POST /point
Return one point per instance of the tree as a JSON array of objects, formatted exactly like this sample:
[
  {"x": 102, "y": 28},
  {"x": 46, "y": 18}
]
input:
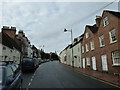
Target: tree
[{"x": 54, "y": 56}]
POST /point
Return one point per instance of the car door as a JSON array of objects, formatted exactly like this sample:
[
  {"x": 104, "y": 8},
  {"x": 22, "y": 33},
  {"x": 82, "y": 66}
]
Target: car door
[
  {"x": 10, "y": 77},
  {"x": 17, "y": 76}
]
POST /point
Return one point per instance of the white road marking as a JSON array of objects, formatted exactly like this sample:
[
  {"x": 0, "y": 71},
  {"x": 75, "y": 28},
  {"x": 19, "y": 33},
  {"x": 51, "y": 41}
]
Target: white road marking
[
  {"x": 32, "y": 78},
  {"x": 29, "y": 84}
]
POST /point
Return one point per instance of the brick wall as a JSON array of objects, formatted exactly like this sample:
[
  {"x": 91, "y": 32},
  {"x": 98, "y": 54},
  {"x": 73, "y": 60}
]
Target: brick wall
[{"x": 108, "y": 48}]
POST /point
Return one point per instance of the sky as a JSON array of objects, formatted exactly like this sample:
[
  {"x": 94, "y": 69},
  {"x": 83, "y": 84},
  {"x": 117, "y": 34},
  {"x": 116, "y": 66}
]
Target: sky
[{"x": 44, "y": 21}]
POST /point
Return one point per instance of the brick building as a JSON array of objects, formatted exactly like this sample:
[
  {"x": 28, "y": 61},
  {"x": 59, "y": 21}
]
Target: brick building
[{"x": 101, "y": 44}]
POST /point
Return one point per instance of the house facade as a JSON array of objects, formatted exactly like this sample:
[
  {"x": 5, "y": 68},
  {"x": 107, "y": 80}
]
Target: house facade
[
  {"x": 63, "y": 57},
  {"x": 77, "y": 51},
  {"x": 100, "y": 45},
  {"x": 25, "y": 44},
  {"x": 10, "y": 49}
]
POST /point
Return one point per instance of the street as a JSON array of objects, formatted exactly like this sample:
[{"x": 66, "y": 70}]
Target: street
[{"x": 54, "y": 75}]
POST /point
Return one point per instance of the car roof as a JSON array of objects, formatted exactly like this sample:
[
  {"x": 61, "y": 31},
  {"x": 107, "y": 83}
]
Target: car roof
[{"x": 6, "y": 63}]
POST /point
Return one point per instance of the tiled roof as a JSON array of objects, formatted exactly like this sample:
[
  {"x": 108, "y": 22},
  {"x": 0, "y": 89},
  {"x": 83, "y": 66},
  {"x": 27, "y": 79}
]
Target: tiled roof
[
  {"x": 117, "y": 14},
  {"x": 9, "y": 42},
  {"x": 93, "y": 28}
]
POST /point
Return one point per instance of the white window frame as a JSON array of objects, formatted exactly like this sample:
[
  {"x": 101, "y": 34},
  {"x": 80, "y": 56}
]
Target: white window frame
[
  {"x": 87, "y": 49},
  {"x": 82, "y": 49},
  {"x": 105, "y": 21},
  {"x": 87, "y": 35},
  {"x": 101, "y": 39},
  {"x": 88, "y": 61},
  {"x": 116, "y": 58},
  {"x": 111, "y": 37},
  {"x": 92, "y": 45}
]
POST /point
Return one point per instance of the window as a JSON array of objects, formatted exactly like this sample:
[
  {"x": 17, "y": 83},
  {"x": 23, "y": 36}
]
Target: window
[
  {"x": 87, "y": 34},
  {"x": 9, "y": 73},
  {"x": 105, "y": 21},
  {"x": 88, "y": 61},
  {"x": 116, "y": 58},
  {"x": 87, "y": 48},
  {"x": 112, "y": 36},
  {"x": 101, "y": 39},
  {"x": 4, "y": 48},
  {"x": 82, "y": 49},
  {"x": 92, "y": 45}
]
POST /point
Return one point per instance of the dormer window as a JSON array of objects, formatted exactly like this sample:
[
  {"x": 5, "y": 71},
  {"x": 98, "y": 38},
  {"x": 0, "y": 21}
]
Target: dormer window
[
  {"x": 87, "y": 35},
  {"x": 105, "y": 21}
]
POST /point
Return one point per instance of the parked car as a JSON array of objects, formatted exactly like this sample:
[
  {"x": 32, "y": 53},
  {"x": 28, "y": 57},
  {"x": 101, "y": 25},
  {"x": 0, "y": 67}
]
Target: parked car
[
  {"x": 39, "y": 59},
  {"x": 10, "y": 76},
  {"x": 29, "y": 64},
  {"x": 37, "y": 62}
]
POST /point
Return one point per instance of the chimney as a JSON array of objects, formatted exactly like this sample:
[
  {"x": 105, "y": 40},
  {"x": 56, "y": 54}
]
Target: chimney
[
  {"x": 98, "y": 20},
  {"x": 20, "y": 34},
  {"x": 11, "y": 32}
]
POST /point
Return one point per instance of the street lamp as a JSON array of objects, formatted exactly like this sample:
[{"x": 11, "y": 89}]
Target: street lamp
[{"x": 65, "y": 30}]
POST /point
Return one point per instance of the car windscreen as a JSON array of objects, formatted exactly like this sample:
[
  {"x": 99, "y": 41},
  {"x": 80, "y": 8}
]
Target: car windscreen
[{"x": 27, "y": 60}]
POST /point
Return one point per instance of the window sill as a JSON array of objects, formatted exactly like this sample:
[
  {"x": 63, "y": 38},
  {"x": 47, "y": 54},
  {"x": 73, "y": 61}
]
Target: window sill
[
  {"x": 88, "y": 65},
  {"x": 113, "y": 42},
  {"x": 102, "y": 46},
  {"x": 92, "y": 49},
  {"x": 87, "y": 51},
  {"x": 116, "y": 65}
]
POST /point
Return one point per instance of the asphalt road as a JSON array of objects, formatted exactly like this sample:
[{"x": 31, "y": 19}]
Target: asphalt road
[{"x": 54, "y": 75}]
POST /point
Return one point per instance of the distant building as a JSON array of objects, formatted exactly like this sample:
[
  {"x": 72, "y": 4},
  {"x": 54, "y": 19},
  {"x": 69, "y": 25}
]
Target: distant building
[
  {"x": 35, "y": 52},
  {"x": 10, "y": 50},
  {"x": 25, "y": 44}
]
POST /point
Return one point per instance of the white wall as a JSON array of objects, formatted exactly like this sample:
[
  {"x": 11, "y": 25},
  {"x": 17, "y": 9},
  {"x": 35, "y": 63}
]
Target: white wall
[
  {"x": 77, "y": 55},
  {"x": 9, "y": 54},
  {"x": 62, "y": 57},
  {"x": 68, "y": 53}
]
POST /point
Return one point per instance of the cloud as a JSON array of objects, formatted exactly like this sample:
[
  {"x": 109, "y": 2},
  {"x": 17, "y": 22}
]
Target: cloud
[{"x": 44, "y": 22}]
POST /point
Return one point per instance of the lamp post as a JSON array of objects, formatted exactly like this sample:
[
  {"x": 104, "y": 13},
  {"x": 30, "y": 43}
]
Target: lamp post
[{"x": 65, "y": 30}]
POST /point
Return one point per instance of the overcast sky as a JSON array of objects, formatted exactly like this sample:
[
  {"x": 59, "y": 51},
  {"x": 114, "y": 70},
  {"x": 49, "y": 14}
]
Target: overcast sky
[{"x": 44, "y": 22}]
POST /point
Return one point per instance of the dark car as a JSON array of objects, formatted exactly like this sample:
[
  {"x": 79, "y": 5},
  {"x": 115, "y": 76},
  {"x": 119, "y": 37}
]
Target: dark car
[
  {"x": 29, "y": 64},
  {"x": 10, "y": 76}
]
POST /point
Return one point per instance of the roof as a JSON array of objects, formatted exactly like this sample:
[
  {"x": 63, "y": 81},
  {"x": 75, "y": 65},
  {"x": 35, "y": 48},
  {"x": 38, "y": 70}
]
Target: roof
[
  {"x": 93, "y": 28},
  {"x": 117, "y": 14},
  {"x": 9, "y": 42}
]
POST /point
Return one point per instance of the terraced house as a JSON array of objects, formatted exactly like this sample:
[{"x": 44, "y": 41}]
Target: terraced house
[{"x": 100, "y": 46}]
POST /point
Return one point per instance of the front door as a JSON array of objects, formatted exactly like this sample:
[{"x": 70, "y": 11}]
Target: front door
[
  {"x": 104, "y": 63},
  {"x": 83, "y": 62},
  {"x": 94, "y": 63}
]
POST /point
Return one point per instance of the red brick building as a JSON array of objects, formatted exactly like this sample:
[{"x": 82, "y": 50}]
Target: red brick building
[{"x": 101, "y": 44}]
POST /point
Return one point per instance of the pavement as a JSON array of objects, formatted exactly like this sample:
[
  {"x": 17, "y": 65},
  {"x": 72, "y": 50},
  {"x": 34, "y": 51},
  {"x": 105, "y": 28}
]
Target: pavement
[{"x": 104, "y": 77}]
